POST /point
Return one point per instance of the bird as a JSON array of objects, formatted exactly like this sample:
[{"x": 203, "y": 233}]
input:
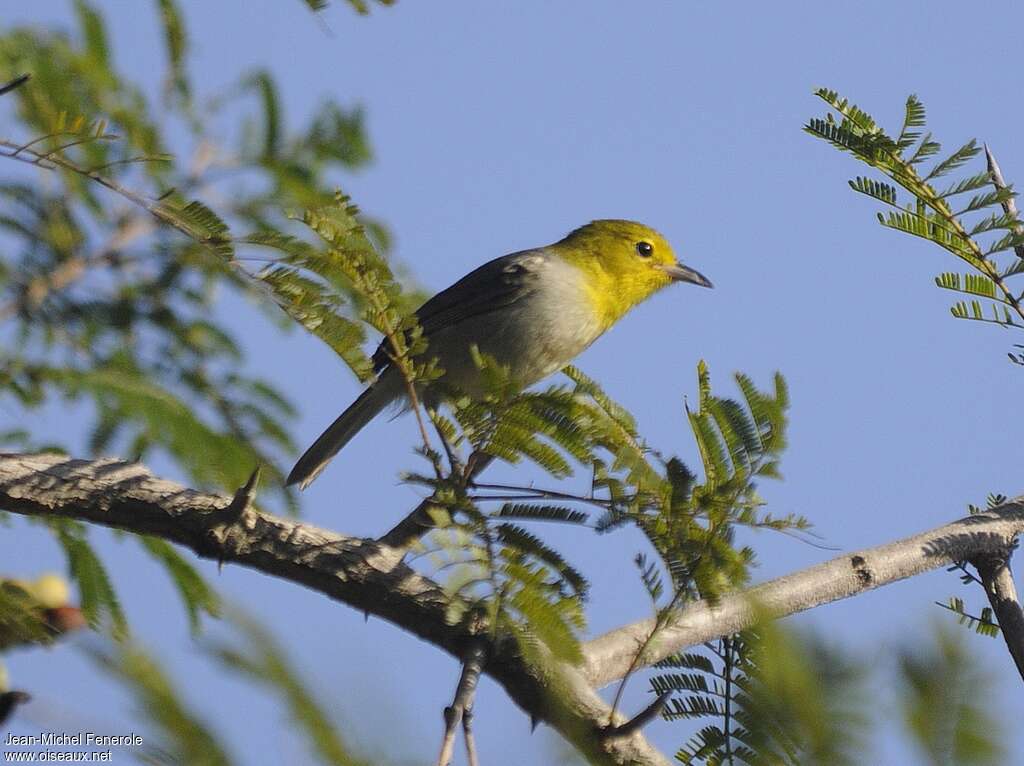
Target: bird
[{"x": 533, "y": 311}]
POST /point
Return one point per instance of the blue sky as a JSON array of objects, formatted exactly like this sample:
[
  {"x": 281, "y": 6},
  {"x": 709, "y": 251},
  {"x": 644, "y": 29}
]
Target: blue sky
[{"x": 500, "y": 126}]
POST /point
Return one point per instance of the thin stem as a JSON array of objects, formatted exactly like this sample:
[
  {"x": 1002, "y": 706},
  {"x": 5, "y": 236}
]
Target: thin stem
[
  {"x": 86, "y": 140},
  {"x": 962, "y": 566},
  {"x": 454, "y": 464},
  {"x": 155, "y": 208},
  {"x": 7, "y": 87},
  {"x": 728, "y": 648},
  {"x": 463, "y": 701},
  {"x": 541, "y": 496},
  {"x": 663, "y": 615},
  {"x": 1009, "y": 204},
  {"x": 467, "y": 732},
  {"x": 536, "y": 493}
]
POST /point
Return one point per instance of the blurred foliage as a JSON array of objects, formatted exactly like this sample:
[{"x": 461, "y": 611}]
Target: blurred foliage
[
  {"x": 766, "y": 697},
  {"x": 103, "y": 306},
  {"x": 181, "y": 735},
  {"x": 264, "y": 662},
  {"x": 946, "y": 705},
  {"x": 992, "y": 245},
  {"x": 106, "y": 307},
  {"x": 360, "y": 6},
  {"x": 770, "y": 697},
  {"x": 35, "y": 611}
]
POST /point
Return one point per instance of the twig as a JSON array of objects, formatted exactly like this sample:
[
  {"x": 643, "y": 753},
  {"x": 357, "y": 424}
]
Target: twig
[
  {"x": 994, "y": 570},
  {"x": 727, "y": 657},
  {"x": 419, "y": 521},
  {"x": 967, "y": 576},
  {"x": 536, "y": 493},
  {"x": 463, "y": 701},
  {"x": 454, "y": 463},
  {"x": 17, "y": 81},
  {"x": 155, "y": 208},
  {"x": 662, "y": 617},
  {"x": 974, "y": 618},
  {"x": 1009, "y": 204},
  {"x": 641, "y": 719},
  {"x": 467, "y": 732}
]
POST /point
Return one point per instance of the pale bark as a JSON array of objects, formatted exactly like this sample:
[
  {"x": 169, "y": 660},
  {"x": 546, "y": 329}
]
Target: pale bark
[
  {"x": 608, "y": 657},
  {"x": 996, "y": 577}
]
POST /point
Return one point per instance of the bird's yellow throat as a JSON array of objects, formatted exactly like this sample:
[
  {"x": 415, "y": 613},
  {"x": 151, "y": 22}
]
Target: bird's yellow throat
[{"x": 615, "y": 276}]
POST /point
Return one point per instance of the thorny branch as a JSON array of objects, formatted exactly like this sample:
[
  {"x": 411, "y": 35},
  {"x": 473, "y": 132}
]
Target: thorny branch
[{"x": 360, "y": 572}]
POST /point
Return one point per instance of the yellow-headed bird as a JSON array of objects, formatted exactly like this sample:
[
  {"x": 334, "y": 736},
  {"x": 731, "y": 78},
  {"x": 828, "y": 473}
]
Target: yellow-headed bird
[{"x": 533, "y": 311}]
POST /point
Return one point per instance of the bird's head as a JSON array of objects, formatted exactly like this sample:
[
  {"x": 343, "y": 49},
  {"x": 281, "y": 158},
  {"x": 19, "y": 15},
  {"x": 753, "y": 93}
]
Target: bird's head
[{"x": 623, "y": 263}]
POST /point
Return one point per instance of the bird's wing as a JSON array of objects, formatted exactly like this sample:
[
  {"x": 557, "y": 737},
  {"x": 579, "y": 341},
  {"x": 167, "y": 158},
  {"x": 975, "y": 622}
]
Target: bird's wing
[{"x": 488, "y": 288}]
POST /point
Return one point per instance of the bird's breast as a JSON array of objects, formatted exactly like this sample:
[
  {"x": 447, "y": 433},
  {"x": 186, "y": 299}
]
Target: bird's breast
[{"x": 535, "y": 336}]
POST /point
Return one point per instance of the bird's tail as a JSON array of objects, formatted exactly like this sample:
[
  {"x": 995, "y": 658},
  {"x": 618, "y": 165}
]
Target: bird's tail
[{"x": 340, "y": 432}]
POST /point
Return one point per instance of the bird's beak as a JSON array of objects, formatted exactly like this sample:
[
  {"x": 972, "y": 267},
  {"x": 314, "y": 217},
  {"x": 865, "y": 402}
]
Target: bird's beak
[{"x": 680, "y": 273}]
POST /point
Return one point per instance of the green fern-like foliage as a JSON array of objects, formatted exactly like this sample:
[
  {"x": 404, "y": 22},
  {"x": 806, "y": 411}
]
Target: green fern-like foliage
[
  {"x": 983, "y": 230},
  {"x": 347, "y": 274},
  {"x": 771, "y": 697},
  {"x": 691, "y": 523},
  {"x": 507, "y": 578},
  {"x": 764, "y": 697},
  {"x": 983, "y": 624}
]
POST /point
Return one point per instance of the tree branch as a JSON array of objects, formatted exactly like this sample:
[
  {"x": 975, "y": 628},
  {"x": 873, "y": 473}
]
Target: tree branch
[
  {"x": 360, "y": 572},
  {"x": 996, "y": 577},
  {"x": 608, "y": 657},
  {"x": 371, "y": 577}
]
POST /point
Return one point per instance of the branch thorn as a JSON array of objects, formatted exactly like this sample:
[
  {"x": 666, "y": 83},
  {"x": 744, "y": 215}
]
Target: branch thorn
[{"x": 242, "y": 500}]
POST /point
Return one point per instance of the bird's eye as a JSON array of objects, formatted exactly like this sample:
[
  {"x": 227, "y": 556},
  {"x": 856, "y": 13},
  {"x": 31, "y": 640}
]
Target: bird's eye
[{"x": 645, "y": 249}]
